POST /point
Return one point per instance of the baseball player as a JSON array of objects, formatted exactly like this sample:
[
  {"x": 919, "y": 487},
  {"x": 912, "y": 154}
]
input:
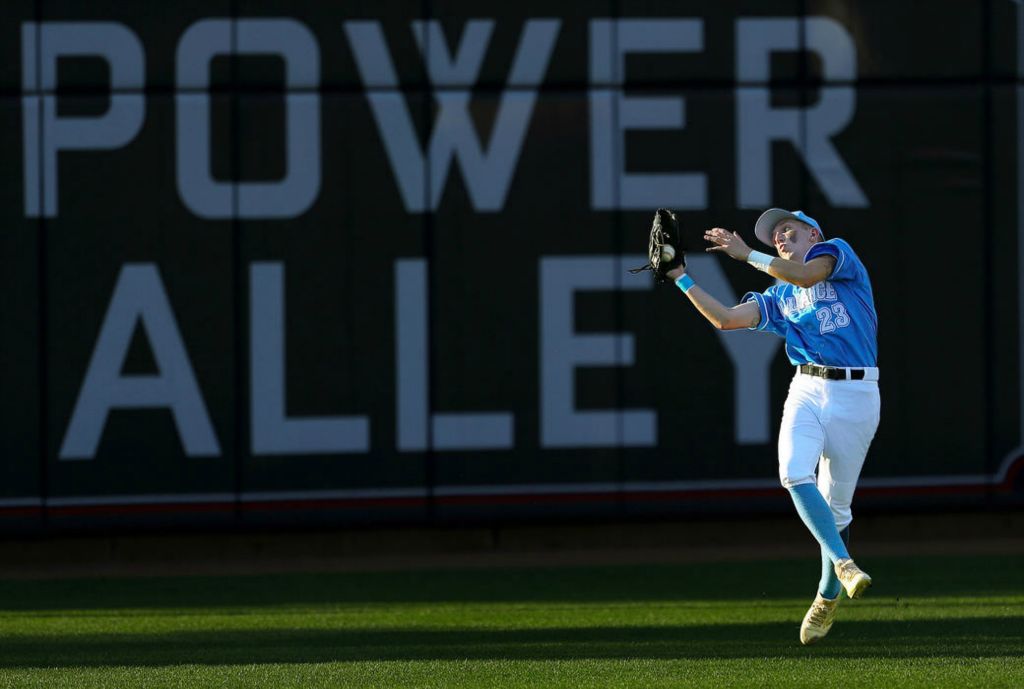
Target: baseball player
[{"x": 823, "y": 306}]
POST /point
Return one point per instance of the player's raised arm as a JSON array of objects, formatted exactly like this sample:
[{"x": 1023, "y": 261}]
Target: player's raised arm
[
  {"x": 666, "y": 258},
  {"x": 745, "y": 315},
  {"x": 794, "y": 272}
]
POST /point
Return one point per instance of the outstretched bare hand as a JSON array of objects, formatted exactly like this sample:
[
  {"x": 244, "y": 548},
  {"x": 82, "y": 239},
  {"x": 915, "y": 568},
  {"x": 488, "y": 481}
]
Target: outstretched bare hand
[{"x": 729, "y": 243}]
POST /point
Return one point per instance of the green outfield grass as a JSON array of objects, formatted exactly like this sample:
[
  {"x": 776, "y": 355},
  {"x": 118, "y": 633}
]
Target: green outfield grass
[{"x": 928, "y": 622}]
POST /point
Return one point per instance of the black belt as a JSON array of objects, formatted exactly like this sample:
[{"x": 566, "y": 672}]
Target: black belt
[{"x": 831, "y": 372}]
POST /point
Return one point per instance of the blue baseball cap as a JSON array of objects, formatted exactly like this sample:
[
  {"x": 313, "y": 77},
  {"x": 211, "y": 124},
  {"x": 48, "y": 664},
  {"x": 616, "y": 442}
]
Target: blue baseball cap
[{"x": 773, "y": 216}]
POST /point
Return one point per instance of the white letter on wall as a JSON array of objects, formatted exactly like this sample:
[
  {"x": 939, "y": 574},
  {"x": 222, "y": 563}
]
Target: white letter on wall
[
  {"x": 562, "y": 351},
  {"x": 139, "y": 297},
  {"x": 273, "y": 432},
  {"x": 759, "y": 124},
  {"x": 751, "y": 354},
  {"x": 486, "y": 171},
  {"x": 449, "y": 430},
  {"x": 120, "y": 48},
  {"x": 612, "y": 114},
  {"x": 286, "y": 198}
]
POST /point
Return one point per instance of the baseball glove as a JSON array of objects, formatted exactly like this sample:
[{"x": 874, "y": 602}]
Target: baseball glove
[{"x": 665, "y": 249}]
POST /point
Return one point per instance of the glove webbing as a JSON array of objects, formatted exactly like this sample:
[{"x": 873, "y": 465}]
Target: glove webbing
[{"x": 657, "y": 241}]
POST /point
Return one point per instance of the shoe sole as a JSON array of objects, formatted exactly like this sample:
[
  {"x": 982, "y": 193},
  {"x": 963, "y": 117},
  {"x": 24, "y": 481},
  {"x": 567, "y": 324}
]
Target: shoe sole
[
  {"x": 812, "y": 639},
  {"x": 859, "y": 587}
]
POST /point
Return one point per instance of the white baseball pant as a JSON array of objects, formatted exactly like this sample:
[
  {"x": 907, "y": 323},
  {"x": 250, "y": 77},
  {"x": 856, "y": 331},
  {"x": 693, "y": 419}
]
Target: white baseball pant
[{"x": 828, "y": 424}]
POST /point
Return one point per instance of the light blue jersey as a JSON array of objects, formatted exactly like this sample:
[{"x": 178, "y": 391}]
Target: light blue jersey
[{"x": 832, "y": 323}]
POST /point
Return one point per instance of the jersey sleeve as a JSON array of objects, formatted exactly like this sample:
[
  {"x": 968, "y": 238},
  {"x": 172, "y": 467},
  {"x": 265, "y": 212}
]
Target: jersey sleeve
[
  {"x": 772, "y": 320},
  {"x": 846, "y": 260}
]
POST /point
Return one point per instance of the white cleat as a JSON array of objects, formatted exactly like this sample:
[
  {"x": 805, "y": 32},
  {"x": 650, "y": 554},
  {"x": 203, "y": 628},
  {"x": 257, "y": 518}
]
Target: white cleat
[
  {"x": 853, "y": 578},
  {"x": 818, "y": 620}
]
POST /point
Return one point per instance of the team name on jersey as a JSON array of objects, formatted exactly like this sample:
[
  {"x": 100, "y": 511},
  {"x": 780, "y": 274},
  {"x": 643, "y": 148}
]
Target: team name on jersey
[{"x": 806, "y": 297}]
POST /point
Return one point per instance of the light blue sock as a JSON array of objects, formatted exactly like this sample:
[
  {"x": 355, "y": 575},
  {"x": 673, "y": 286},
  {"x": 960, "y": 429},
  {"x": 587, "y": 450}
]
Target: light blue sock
[
  {"x": 829, "y": 586},
  {"x": 816, "y": 514}
]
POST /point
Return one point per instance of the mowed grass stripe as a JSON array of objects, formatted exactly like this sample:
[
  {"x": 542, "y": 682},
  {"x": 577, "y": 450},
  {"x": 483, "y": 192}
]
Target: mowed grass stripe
[
  {"x": 811, "y": 671},
  {"x": 488, "y": 616},
  {"x": 728, "y": 624}
]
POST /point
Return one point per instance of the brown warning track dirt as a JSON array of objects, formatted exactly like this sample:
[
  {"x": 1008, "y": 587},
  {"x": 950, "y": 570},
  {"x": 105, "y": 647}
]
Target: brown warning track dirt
[{"x": 497, "y": 547}]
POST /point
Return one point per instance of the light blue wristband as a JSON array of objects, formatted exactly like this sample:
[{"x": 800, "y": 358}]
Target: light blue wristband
[{"x": 684, "y": 282}]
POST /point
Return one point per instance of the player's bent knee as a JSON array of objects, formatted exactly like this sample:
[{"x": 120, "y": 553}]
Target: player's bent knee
[{"x": 791, "y": 481}]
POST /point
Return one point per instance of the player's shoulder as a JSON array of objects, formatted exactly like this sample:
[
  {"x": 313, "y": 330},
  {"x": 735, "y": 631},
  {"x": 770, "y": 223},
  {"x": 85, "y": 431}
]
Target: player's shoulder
[
  {"x": 848, "y": 265},
  {"x": 837, "y": 247},
  {"x": 842, "y": 244},
  {"x": 831, "y": 245}
]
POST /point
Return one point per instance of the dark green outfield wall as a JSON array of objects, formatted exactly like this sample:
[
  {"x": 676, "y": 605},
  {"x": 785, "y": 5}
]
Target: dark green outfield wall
[{"x": 306, "y": 262}]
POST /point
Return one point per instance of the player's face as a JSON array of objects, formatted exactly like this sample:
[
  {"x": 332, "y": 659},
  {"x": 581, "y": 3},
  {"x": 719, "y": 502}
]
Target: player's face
[{"x": 793, "y": 239}]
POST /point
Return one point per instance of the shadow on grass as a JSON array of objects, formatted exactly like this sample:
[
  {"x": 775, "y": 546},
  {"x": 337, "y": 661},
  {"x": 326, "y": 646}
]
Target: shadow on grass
[
  {"x": 961, "y": 576},
  {"x": 978, "y": 637}
]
